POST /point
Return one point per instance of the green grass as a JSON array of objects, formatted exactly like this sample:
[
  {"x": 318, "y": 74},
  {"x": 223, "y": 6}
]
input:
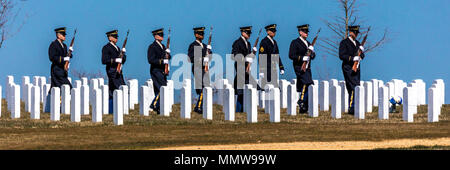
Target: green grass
[{"x": 154, "y": 131}]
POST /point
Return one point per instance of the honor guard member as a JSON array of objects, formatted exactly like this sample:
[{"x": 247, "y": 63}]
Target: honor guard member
[
  {"x": 298, "y": 54},
  {"x": 348, "y": 49},
  {"x": 242, "y": 47},
  {"x": 268, "y": 49},
  {"x": 110, "y": 58},
  {"x": 156, "y": 58},
  {"x": 197, "y": 53},
  {"x": 58, "y": 55}
]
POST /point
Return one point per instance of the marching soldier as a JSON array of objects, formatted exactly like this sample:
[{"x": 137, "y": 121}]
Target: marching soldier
[
  {"x": 110, "y": 58},
  {"x": 298, "y": 54},
  {"x": 58, "y": 55},
  {"x": 197, "y": 53},
  {"x": 242, "y": 48},
  {"x": 348, "y": 49},
  {"x": 268, "y": 50},
  {"x": 156, "y": 58}
]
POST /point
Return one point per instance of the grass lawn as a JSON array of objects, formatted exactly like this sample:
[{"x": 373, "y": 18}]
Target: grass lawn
[{"x": 154, "y": 131}]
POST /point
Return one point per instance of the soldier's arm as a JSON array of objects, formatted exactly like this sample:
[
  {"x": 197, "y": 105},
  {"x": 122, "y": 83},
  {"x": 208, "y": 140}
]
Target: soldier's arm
[
  {"x": 292, "y": 52},
  {"x": 53, "y": 55},
  {"x": 280, "y": 63},
  {"x": 105, "y": 57},
  {"x": 152, "y": 57},
  {"x": 344, "y": 54},
  {"x": 191, "y": 53}
]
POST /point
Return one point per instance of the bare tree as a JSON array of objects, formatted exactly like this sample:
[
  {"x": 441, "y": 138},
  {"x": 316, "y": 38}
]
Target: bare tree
[
  {"x": 9, "y": 11},
  {"x": 339, "y": 26}
]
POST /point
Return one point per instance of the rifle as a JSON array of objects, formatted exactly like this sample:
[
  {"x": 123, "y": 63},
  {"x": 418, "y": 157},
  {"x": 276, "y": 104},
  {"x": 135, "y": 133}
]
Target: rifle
[
  {"x": 119, "y": 67},
  {"x": 166, "y": 66},
  {"x": 308, "y": 53},
  {"x": 208, "y": 52},
  {"x": 247, "y": 69},
  {"x": 356, "y": 64},
  {"x": 69, "y": 53}
]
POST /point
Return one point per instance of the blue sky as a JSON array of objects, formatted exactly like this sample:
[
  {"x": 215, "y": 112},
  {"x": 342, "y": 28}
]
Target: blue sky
[{"x": 419, "y": 46}]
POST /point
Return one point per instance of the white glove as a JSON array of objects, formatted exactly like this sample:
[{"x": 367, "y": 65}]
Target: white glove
[
  {"x": 362, "y": 48},
  {"x": 71, "y": 49},
  {"x": 305, "y": 58},
  {"x": 249, "y": 59},
  {"x": 166, "y": 61},
  {"x": 124, "y": 50},
  {"x": 311, "y": 48},
  {"x": 168, "y": 51},
  {"x": 205, "y": 60},
  {"x": 209, "y": 47},
  {"x": 118, "y": 60},
  {"x": 356, "y": 58},
  {"x": 281, "y": 72},
  {"x": 261, "y": 75},
  {"x": 254, "y": 49},
  {"x": 66, "y": 58}
]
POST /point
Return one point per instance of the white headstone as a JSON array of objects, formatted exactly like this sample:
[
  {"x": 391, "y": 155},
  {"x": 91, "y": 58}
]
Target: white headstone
[
  {"x": 374, "y": 92},
  {"x": 324, "y": 96},
  {"x": 97, "y": 106},
  {"x": 368, "y": 96},
  {"x": 35, "y": 102},
  {"x": 186, "y": 105},
  {"x": 65, "y": 99},
  {"x": 413, "y": 97},
  {"x": 252, "y": 114},
  {"x": 45, "y": 92},
  {"x": 441, "y": 87},
  {"x": 421, "y": 91},
  {"x": 93, "y": 84},
  {"x": 144, "y": 101},
  {"x": 313, "y": 101},
  {"x": 228, "y": 107},
  {"x": 15, "y": 109},
  {"x": 359, "y": 102},
  {"x": 344, "y": 97},
  {"x": 70, "y": 80},
  {"x": 151, "y": 93},
  {"x": 274, "y": 105},
  {"x": 268, "y": 98},
  {"x": 408, "y": 114},
  {"x": 434, "y": 108},
  {"x": 262, "y": 99},
  {"x": 27, "y": 95},
  {"x": 133, "y": 87},
  {"x": 84, "y": 81},
  {"x": 336, "y": 101},
  {"x": 292, "y": 100},
  {"x": 383, "y": 103},
  {"x": 55, "y": 104},
  {"x": 75, "y": 103},
  {"x": 283, "y": 93},
  {"x": 246, "y": 105},
  {"x": 391, "y": 90},
  {"x": 25, "y": 81},
  {"x": 171, "y": 93},
  {"x": 36, "y": 81},
  {"x": 84, "y": 91},
  {"x": 118, "y": 107},
  {"x": 42, "y": 82},
  {"x": 164, "y": 101},
  {"x": 101, "y": 82},
  {"x": 125, "y": 92},
  {"x": 105, "y": 99},
  {"x": 207, "y": 103},
  {"x": 78, "y": 84}
]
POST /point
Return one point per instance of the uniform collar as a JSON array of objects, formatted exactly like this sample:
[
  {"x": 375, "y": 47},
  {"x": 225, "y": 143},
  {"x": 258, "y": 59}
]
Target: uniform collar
[
  {"x": 351, "y": 39},
  {"x": 270, "y": 38},
  {"x": 303, "y": 40},
  {"x": 159, "y": 43},
  {"x": 114, "y": 45}
]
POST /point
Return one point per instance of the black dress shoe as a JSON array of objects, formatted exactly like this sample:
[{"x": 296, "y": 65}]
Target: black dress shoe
[
  {"x": 351, "y": 112},
  {"x": 199, "y": 111}
]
